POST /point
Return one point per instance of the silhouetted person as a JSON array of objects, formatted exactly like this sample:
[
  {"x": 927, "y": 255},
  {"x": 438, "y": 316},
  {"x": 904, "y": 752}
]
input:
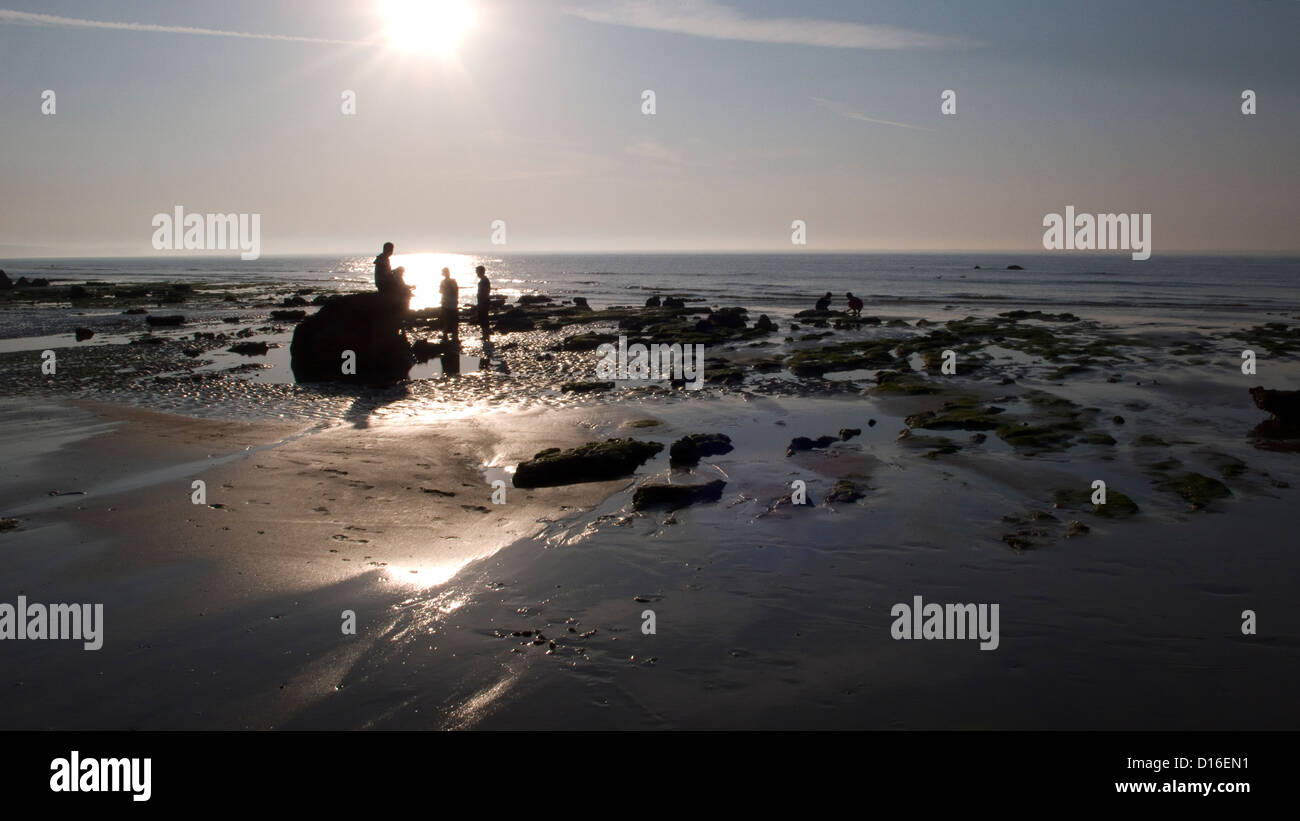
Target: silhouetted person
[
  {"x": 855, "y": 304},
  {"x": 484, "y": 297},
  {"x": 387, "y": 281},
  {"x": 450, "y": 311},
  {"x": 824, "y": 303}
]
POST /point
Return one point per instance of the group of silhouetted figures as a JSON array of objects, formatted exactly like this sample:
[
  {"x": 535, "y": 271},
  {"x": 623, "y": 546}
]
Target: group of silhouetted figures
[
  {"x": 390, "y": 282},
  {"x": 855, "y": 304}
]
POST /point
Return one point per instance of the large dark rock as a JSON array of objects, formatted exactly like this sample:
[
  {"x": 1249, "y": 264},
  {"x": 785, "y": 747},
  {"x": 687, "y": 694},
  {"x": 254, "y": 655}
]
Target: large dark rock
[
  {"x": 593, "y": 462},
  {"x": 1281, "y": 431},
  {"x": 83, "y": 334},
  {"x": 367, "y": 324},
  {"x": 676, "y": 496},
  {"x": 689, "y": 450},
  {"x": 168, "y": 321},
  {"x": 5, "y": 281},
  {"x": 1284, "y": 405}
]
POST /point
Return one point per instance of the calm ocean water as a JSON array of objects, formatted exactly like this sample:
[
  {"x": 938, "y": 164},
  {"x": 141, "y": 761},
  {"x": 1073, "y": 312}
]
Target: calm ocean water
[{"x": 1112, "y": 283}]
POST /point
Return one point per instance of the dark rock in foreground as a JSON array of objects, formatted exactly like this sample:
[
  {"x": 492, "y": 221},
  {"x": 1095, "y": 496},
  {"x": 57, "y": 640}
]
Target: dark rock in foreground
[
  {"x": 592, "y": 462},
  {"x": 368, "y": 325},
  {"x": 83, "y": 334},
  {"x": 169, "y": 321},
  {"x": 688, "y": 450},
  {"x": 676, "y": 496}
]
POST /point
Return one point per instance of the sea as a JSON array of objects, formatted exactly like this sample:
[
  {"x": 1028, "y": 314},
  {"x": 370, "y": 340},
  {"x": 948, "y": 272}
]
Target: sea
[{"x": 1109, "y": 284}]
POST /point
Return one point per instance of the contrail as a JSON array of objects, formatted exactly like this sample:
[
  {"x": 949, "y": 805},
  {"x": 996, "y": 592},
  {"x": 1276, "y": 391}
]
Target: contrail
[
  {"x": 845, "y": 111},
  {"x": 53, "y": 21}
]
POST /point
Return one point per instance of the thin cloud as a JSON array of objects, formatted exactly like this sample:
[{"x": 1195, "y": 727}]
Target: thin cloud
[
  {"x": 846, "y": 111},
  {"x": 647, "y": 148},
  {"x": 24, "y": 18},
  {"x": 706, "y": 18}
]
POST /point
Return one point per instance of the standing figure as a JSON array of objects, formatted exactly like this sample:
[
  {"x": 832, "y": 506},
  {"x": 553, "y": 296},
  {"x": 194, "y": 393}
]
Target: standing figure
[
  {"x": 450, "y": 311},
  {"x": 484, "y": 296}
]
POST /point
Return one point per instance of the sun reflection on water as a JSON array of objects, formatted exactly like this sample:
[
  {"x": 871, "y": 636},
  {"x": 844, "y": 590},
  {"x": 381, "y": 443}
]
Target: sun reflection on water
[{"x": 424, "y": 271}]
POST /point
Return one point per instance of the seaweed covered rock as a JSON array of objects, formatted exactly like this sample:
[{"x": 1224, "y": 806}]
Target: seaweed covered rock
[
  {"x": 592, "y": 462},
  {"x": 368, "y": 325},
  {"x": 689, "y": 450},
  {"x": 676, "y": 496},
  {"x": 845, "y": 491}
]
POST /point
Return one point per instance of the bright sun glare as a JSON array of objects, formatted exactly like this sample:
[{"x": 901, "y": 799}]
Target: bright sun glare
[{"x": 428, "y": 26}]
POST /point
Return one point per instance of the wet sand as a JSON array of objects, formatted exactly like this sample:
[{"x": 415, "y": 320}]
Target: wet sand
[{"x": 530, "y": 614}]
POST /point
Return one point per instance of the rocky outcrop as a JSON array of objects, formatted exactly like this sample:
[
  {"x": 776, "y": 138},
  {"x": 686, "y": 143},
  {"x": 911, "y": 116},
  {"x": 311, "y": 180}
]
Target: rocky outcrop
[
  {"x": 688, "y": 450},
  {"x": 804, "y": 443},
  {"x": 368, "y": 325},
  {"x": 592, "y": 462},
  {"x": 676, "y": 496},
  {"x": 515, "y": 319}
]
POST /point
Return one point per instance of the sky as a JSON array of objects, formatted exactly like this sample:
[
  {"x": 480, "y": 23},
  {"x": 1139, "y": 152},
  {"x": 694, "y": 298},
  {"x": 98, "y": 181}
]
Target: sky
[{"x": 825, "y": 111}]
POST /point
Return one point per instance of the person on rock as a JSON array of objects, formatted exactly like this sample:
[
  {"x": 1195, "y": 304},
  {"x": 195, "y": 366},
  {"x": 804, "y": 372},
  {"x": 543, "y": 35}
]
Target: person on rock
[
  {"x": 388, "y": 282},
  {"x": 855, "y": 304}
]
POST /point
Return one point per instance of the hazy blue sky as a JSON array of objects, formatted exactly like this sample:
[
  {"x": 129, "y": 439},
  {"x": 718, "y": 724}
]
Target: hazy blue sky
[{"x": 767, "y": 112}]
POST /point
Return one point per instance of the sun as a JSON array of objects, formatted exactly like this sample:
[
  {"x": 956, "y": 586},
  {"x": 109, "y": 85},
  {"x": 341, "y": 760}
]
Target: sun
[{"x": 428, "y": 26}]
